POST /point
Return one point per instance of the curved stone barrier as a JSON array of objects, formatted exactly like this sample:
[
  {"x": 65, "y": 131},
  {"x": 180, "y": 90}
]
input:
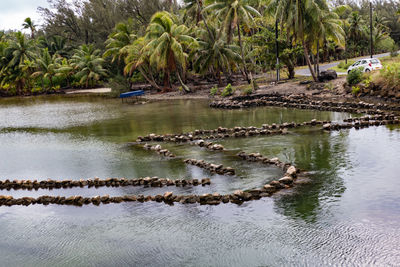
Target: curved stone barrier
[
  {"x": 97, "y": 182},
  {"x": 213, "y": 168},
  {"x": 363, "y": 122},
  {"x": 302, "y": 102},
  {"x": 221, "y": 133},
  {"x": 159, "y": 150},
  {"x": 237, "y": 197},
  {"x": 257, "y": 157}
]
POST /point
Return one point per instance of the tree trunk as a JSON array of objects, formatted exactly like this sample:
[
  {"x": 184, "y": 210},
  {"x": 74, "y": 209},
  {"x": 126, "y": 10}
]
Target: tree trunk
[
  {"x": 242, "y": 54},
  {"x": 184, "y": 86},
  {"x": 307, "y": 58},
  {"x": 318, "y": 58},
  {"x": 152, "y": 82},
  {"x": 345, "y": 48}
]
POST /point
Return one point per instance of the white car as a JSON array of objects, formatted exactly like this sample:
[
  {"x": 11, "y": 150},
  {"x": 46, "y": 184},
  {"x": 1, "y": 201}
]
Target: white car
[{"x": 368, "y": 64}]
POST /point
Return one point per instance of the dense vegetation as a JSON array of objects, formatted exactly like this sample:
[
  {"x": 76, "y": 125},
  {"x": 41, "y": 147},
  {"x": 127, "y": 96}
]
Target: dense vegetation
[{"x": 165, "y": 44}]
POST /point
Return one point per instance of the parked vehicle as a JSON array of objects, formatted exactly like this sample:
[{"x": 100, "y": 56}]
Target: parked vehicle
[{"x": 367, "y": 64}]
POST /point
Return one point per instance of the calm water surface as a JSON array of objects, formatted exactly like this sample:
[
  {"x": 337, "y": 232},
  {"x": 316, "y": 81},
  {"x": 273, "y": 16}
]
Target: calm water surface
[{"x": 348, "y": 214}]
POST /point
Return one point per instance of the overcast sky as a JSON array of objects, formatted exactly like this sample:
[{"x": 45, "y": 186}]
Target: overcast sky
[{"x": 14, "y": 12}]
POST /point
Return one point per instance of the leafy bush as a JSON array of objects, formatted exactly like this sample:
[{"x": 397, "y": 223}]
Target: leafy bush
[
  {"x": 118, "y": 85},
  {"x": 355, "y": 90},
  {"x": 247, "y": 91},
  {"x": 355, "y": 76},
  {"x": 394, "y": 51},
  {"x": 390, "y": 76},
  {"x": 213, "y": 90},
  {"x": 343, "y": 64},
  {"x": 329, "y": 86},
  {"x": 228, "y": 91}
]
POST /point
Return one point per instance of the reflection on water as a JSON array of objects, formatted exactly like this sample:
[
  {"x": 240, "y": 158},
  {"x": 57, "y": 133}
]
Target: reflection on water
[{"x": 348, "y": 214}]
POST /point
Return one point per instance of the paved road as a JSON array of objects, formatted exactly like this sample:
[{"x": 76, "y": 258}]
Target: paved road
[{"x": 306, "y": 71}]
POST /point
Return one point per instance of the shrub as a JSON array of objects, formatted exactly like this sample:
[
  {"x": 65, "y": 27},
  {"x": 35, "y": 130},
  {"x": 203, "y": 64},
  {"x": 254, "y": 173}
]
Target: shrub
[
  {"x": 228, "y": 91},
  {"x": 390, "y": 75},
  {"x": 355, "y": 76},
  {"x": 343, "y": 64},
  {"x": 213, "y": 90},
  {"x": 394, "y": 51},
  {"x": 355, "y": 90},
  {"x": 247, "y": 91},
  {"x": 329, "y": 86}
]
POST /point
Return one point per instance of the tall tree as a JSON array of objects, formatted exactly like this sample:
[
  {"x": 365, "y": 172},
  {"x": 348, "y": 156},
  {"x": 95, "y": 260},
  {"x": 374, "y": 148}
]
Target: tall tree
[
  {"x": 28, "y": 24},
  {"x": 235, "y": 13},
  {"x": 88, "y": 65},
  {"x": 166, "y": 41}
]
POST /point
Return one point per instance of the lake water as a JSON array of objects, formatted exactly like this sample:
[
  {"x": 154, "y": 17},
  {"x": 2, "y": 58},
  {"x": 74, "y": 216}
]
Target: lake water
[{"x": 348, "y": 214}]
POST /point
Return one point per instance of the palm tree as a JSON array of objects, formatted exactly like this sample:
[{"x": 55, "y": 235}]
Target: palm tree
[
  {"x": 192, "y": 10},
  {"x": 235, "y": 12},
  {"x": 138, "y": 59},
  {"x": 327, "y": 26},
  {"x": 356, "y": 30},
  {"x": 18, "y": 51},
  {"x": 165, "y": 46},
  {"x": 64, "y": 69},
  {"x": 88, "y": 65},
  {"x": 55, "y": 45},
  {"x": 121, "y": 36},
  {"x": 214, "y": 54},
  {"x": 46, "y": 66},
  {"x": 343, "y": 11},
  {"x": 28, "y": 24},
  {"x": 299, "y": 17}
]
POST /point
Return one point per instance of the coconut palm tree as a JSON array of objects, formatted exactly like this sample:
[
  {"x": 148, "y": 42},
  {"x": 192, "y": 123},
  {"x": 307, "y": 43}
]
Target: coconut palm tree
[
  {"x": 28, "y": 24},
  {"x": 165, "y": 46},
  {"x": 55, "y": 45},
  {"x": 138, "y": 59},
  {"x": 192, "y": 10},
  {"x": 214, "y": 54},
  {"x": 46, "y": 67},
  {"x": 234, "y": 13},
  {"x": 18, "y": 51},
  {"x": 121, "y": 36},
  {"x": 88, "y": 65},
  {"x": 298, "y": 17},
  {"x": 64, "y": 69},
  {"x": 327, "y": 26}
]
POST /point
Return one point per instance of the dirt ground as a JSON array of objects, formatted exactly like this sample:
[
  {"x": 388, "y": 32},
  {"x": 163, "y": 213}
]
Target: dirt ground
[{"x": 335, "y": 88}]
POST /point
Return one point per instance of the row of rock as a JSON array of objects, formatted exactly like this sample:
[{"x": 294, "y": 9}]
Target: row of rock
[
  {"x": 302, "y": 102},
  {"x": 220, "y": 133},
  {"x": 97, "y": 182},
  {"x": 159, "y": 150},
  {"x": 209, "y": 145},
  {"x": 359, "y": 124},
  {"x": 213, "y": 168},
  {"x": 386, "y": 116},
  {"x": 257, "y": 157},
  {"x": 236, "y": 197}
]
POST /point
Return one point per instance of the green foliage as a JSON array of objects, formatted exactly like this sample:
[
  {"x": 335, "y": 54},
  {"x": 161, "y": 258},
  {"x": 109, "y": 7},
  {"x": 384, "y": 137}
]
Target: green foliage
[
  {"x": 228, "y": 91},
  {"x": 213, "y": 90},
  {"x": 329, "y": 86},
  {"x": 247, "y": 91},
  {"x": 355, "y": 90},
  {"x": 343, "y": 65},
  {"x": 394, "y": 51},
  {"x": 118, "y": 85},
  {"x": 389, "y": 76},
  {"x": 355, "y": 76}
]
